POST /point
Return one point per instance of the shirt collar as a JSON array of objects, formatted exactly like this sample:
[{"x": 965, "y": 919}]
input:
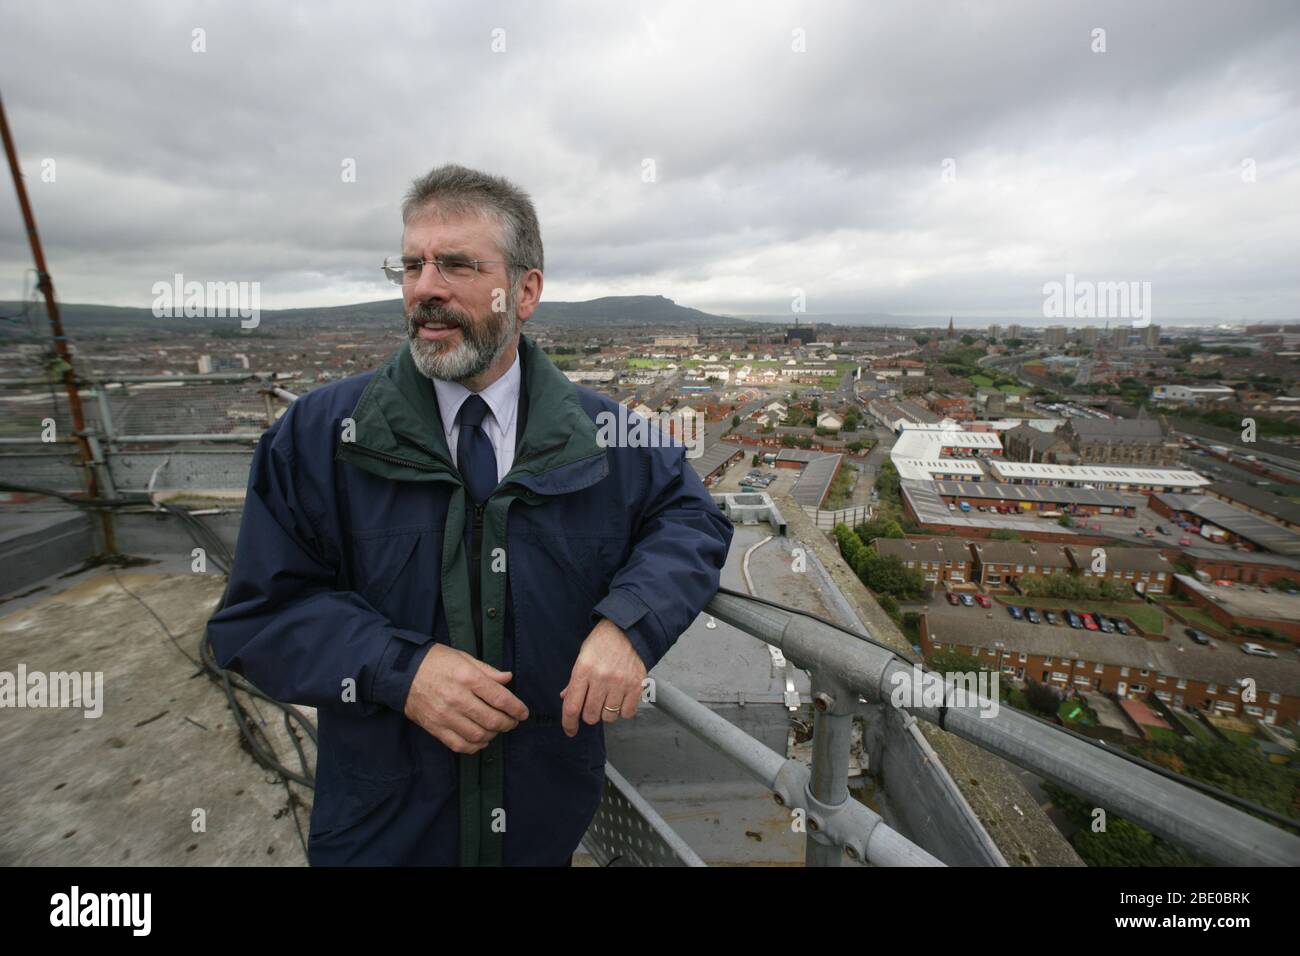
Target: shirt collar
[{"x": 502, "y": 398}]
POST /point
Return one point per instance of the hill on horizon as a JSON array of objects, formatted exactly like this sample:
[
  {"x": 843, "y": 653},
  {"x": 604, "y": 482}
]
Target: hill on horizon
[{"x": 623, "y": 310}]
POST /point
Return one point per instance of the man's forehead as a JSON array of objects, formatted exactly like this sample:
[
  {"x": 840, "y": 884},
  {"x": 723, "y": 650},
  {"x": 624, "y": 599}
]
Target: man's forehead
[{"x": 459, "y": 228}]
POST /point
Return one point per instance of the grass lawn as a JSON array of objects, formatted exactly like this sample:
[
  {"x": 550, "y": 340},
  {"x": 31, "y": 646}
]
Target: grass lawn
[
  {"x": 1237, "y": 737},
  {"x": 841, "y": 489},
  {"x": 983, "y": 381},
  {"x": 1072, "y": 712},
  {"x": 1014, "y": 389},
  {"x": 1160, "y": 735},
  {"x": 1199, "y": 730},
  {"x": 1148, "y": 618}
]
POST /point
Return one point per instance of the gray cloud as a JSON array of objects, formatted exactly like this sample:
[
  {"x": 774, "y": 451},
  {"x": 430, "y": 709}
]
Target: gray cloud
[{"x": 776, "y": 170}]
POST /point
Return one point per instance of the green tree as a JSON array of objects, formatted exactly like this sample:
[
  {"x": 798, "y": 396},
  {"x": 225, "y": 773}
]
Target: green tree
[{"x": 1041, "y": 697}]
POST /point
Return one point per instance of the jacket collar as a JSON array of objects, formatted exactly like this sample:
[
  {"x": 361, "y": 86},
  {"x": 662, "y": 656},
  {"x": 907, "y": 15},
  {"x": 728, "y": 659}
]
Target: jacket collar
[{"x": 398, "y": 428}]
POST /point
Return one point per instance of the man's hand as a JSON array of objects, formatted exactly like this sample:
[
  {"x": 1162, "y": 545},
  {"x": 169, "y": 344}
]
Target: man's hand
[
  {"x": 607, "y": 674},
  {"x": 462, "y": 701}
]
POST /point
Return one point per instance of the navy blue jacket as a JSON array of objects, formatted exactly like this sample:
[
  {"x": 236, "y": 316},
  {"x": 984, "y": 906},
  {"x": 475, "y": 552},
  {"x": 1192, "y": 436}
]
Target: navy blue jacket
[{"x": 350, "y": 565}]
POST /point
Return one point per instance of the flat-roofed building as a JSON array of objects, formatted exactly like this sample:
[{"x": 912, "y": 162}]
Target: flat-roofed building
[
  {"x": 1257, "y": 501},
  {"x": 1114, "y": 478},
  {"x": 1217, "y": 520}
]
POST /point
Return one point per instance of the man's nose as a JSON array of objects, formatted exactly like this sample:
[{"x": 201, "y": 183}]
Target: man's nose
[{"x": 430, "y": 287}]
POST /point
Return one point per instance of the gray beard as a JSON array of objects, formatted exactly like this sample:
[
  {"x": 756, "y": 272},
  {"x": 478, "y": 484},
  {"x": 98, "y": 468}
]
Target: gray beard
[{"x": 482, "y": 343}]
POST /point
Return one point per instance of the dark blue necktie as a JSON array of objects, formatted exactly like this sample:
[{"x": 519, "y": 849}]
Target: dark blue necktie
[{"x": 474, "y": 455}]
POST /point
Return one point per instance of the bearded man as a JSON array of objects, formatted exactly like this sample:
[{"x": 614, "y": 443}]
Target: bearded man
[{"x": 449, "y": 563}]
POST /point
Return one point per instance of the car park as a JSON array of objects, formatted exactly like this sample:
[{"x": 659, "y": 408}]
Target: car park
[
  {"x": 1196, "y": 635},
  {"x": 983, "y": 601},
  {"x": 1014, "y": 612},
  {"x": 1032, "y": 616},
  {"x": 1089, "y": 622},
  {"x": 967, "y": 600},
  {"x": 952, "y": 599},
  {"x": 1257, "y": 650},
  {"x": 1051, "y": 617}
]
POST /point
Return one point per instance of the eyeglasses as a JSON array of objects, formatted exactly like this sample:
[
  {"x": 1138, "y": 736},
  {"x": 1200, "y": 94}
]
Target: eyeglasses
[{"x": 402, "y": 270}]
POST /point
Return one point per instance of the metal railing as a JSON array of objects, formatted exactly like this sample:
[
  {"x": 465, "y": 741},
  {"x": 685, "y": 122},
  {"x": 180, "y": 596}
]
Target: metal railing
[
  {"x": 127, "y": 412},
  {"x": 845, "y": 668}
]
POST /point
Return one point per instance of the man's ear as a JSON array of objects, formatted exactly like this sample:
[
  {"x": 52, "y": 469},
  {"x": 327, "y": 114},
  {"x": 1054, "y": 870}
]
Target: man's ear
[{"x": 530, "y": 294}]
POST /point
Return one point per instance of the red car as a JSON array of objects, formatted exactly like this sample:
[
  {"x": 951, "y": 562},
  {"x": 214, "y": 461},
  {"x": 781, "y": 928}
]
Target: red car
[
  {"x": 983, "y": 601},
  {"x": 953, "y": 599},
  {"x": 1089, "y": 622}
]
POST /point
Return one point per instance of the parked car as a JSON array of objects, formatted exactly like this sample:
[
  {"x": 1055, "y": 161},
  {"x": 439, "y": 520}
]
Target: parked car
[
  {"x": 1258, "y": 650},
  {"x": 1051, "y": 617},
  {"x": 1196, "y": 635},
  {"x": 1073, "y": 620},
  {"x": 1184, "y": 541},
  {"x": 967, "y": 600},
  {"x": 1014, "y": 611},
  {"x": 1089, "y": 622},
  {"x": 1161, "y": 529},
  {"x": 1141, "y": 532},
  {"x": 1123, "y": 628},
  {"x": 1032, "y": 616},
  {"x": 983, "y": 600},
  {"x": 952, "y": 599},
  {"x": 1106, "y": 624}
]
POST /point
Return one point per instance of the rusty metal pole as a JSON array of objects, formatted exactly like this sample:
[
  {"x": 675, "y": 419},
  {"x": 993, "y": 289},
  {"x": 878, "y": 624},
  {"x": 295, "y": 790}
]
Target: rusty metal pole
[{"x": 46, "y": 285}]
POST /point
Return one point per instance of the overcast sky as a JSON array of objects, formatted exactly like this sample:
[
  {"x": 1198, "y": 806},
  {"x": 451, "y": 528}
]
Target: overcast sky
[{"x": 775, "y": 168}]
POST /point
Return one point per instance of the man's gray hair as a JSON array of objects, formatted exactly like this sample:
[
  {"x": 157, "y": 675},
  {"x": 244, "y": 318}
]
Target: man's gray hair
[{"x": 455, "y": 190}]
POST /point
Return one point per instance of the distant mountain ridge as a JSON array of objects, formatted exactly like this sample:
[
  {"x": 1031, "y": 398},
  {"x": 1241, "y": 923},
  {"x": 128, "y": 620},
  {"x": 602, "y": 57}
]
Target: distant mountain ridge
[{"x": 616, "y": 310}]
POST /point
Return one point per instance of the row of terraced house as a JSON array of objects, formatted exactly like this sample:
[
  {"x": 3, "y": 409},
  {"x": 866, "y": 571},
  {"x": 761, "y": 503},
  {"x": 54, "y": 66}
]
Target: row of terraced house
[{"x": 950, "y": 563}]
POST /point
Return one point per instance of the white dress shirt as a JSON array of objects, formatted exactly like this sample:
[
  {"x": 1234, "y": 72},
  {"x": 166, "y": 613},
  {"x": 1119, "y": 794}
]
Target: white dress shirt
[{"x": 502, "y": 398}]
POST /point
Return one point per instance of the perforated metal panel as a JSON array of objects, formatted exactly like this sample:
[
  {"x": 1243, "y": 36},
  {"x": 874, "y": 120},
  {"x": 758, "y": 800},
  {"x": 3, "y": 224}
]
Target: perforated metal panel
[{"x": 628, "y": 832}]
